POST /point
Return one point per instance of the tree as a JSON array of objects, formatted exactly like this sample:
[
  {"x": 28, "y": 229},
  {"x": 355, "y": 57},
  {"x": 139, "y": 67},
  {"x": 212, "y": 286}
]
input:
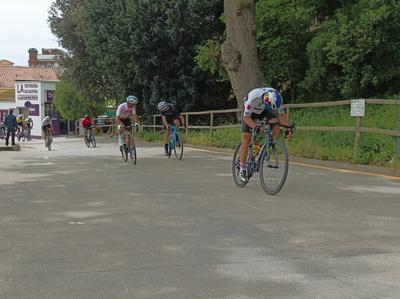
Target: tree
[
  {"x": 284, "y": 29},
  {"x": 355, "y": 54},
  {"x": 138, "y": 46},
  {"x": 239, "y": 51},
  {"x": 72, "y": 104}
]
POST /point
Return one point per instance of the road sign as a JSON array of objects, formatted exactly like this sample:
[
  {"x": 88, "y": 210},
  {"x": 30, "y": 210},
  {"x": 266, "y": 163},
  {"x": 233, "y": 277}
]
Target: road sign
[
  {"x": 358, "y": 108},
  {"x": 27, "y": 104}
]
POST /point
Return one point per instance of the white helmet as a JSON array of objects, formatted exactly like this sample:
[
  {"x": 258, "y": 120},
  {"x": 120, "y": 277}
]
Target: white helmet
[
  {"x": 132, "y": 100},
  {"x": 162, "y": 106},
  {"x": 47, "y": 117}
]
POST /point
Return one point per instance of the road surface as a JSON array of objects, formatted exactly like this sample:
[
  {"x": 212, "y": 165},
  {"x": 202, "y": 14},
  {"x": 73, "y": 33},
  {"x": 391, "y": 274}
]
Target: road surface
[{"x": 80, "y": 223}]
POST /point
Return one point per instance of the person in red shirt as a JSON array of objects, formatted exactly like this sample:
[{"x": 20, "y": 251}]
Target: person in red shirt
[{"x": 87, "y": 123}]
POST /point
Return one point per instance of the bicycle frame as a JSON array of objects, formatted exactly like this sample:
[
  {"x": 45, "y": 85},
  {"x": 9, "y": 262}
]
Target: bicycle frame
[
  {"x": 172, "y": 136},
  {"x": 89, "y": 135}
]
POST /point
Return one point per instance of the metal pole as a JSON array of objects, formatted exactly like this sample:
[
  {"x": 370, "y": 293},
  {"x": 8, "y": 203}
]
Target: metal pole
[{"x": 357, "y": 136}]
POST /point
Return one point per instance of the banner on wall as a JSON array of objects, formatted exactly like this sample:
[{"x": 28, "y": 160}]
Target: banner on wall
[
  {"x": 50, "y": 95},
  {"x": 27, "y": 91}
]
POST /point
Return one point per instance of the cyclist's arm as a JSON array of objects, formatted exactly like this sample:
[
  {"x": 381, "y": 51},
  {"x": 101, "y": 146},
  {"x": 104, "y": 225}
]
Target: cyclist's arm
[
  {"x": 164, "y": 121},
  {"x": 249, "y": 121},
  {"x": 283, "y": 119},
  {"x": 135, "y": 118},
  {"x": 118, "y": 120}
]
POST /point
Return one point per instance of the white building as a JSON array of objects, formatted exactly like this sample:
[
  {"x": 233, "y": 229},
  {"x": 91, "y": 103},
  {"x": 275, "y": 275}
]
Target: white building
[{"x": 29, "y": 91}]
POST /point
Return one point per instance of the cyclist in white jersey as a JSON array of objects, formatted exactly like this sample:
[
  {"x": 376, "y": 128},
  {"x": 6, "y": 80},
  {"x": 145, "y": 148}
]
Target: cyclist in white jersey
[
  {"x": 124, "y": 113},
  {"x": 261, "y": 103}
]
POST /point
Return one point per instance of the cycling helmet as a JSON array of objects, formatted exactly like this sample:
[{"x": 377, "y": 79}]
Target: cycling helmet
[
  {"x": 132, "y": 100},
  {"x": 273, "y": 99},
  {"x": 47, "y": 117},
  {"x": 162, "y": 106}
]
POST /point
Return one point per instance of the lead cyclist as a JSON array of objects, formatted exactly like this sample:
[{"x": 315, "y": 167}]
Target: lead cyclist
[
  {"x": 123, "y": 116},
  {"x": 261, "y": 103}
]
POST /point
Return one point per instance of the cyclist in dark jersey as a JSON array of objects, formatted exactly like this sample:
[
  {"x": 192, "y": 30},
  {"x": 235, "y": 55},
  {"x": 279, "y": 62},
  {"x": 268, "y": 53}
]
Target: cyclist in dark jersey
[{"x": 169, "y": 116}]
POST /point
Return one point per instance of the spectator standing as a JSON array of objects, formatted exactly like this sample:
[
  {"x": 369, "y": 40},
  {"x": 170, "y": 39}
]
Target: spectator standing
[{"x": 11, "y": 124}]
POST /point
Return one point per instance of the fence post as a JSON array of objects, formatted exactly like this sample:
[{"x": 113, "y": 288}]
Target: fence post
[
  {"x": 154, "y": 123},
  {"x": 211, "y": 123},
  {"x": 288, "y": 113},
  {"x": 357, "y": 136},
  {"x": 187, "y": 123}
]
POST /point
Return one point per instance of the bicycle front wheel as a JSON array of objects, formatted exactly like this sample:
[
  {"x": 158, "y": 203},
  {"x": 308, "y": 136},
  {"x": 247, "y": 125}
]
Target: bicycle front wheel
[
  {"x": 86, "y": 141},
  {"x": 133, "y": 153},
  {"x": 178, "y": 150},
  {"x": 274, "y": 166},
  {"x": 236, "y": 167}
]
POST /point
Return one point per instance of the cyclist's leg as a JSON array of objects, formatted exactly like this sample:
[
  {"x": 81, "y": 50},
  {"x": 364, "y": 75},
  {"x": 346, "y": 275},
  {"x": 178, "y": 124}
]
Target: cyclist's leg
[
  {"x": 166, "y": 136},
  {"x": 246, "y": 139}
]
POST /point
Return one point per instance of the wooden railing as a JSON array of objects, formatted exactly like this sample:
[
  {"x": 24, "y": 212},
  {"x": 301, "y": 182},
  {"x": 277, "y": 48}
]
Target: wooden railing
[{"x": 357, "y": 129}]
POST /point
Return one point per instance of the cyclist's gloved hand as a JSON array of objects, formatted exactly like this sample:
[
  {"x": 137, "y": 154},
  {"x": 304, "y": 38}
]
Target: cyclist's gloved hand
[{"x": 137, "y": 126}]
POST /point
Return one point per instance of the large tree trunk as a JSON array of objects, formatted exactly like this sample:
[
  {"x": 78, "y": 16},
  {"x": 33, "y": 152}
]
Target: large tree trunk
[{"x": 239, "y": 51}]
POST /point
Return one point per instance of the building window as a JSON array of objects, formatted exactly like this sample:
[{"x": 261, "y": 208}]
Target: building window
[{"x": 50, "y": 110}]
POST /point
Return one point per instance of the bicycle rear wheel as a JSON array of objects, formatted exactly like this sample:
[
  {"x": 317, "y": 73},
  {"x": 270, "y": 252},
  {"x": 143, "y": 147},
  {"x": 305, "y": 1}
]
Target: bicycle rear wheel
[
  {"x": 236, "y": 167},
  {"x": 178, "y": 150},
  {"x": 274, "y": 166}
]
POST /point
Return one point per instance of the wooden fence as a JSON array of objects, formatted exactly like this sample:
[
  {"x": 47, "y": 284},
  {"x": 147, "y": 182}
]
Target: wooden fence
[{"x": 357, "y": 129}]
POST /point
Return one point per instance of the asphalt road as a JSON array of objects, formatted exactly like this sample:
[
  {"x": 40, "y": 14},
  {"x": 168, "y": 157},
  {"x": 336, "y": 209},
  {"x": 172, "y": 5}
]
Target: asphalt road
[{"x": 80, "y": 223}]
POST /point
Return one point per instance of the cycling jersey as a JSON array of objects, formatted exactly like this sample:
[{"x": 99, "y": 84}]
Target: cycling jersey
[
  {"x": 28, "y": 121},
  {"x": 86, "y": 122},
  {"x": 254, "y": 105},
  {"x": 46, "y": 122},
  {"x": 171, "y": 114},
  {"x": 20, "y": 120},
  {"x": 124, "y": 111}
]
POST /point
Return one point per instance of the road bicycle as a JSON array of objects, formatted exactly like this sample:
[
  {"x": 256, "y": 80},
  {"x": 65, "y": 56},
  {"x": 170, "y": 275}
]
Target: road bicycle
[
  {"x": 89, "y": 137},
  {"x": 270, "y": 159},
  {"x": 175, "y": 142},
  {"x": 21, "y": 134},
  {"x": 48, "y": 138},
  {"x": 128, "y": 149}
]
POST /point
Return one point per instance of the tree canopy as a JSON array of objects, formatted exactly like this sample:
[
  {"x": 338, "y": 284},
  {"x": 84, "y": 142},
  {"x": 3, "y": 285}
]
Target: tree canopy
[{"x": 312, "y": 50}]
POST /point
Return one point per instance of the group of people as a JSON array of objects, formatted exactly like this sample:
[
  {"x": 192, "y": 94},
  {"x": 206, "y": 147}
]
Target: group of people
[
  {"x": 13, "y": 126},
  {"x": 261, "y": 103},
  {"x": 127, "y": 110}
]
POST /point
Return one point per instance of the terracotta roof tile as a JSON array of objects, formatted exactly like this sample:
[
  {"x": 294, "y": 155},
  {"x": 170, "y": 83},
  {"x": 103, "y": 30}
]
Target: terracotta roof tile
[{"x": 9, "y": 74}]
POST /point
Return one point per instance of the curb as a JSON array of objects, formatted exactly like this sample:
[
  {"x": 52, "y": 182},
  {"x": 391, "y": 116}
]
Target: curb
[{"x": 14, "y": 148}]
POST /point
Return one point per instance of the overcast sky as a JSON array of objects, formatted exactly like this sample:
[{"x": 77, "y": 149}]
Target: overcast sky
[{"x": 23, "y": 25}]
